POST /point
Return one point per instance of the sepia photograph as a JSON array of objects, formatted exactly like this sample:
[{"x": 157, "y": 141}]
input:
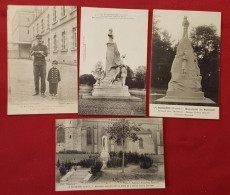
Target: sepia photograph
[
  {"x": 113, "y": 58},
  {"x": 97, "y": 154},
  {"x": 185, "y": 64},
  {"x": 42, "y": 59}
]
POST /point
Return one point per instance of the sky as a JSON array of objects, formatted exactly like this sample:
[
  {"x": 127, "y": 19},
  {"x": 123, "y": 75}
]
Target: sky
[
  {"x": 171, "y": 20},
  {"x": 130, "y": 29}
]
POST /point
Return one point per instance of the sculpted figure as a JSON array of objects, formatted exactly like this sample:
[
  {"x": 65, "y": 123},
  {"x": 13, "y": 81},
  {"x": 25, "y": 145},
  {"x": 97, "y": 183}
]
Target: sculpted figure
[
  {"x": 98, "y": 73},
  {"x": 123, "y": 71},
  {"x": 113, "y": 59},
  {"x": 184, "y": 61},
  {"x": 185, "y": 24}
]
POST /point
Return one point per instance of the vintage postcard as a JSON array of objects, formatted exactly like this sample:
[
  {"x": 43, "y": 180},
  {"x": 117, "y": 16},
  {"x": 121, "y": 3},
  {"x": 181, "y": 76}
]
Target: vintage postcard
[
  {"x": 185, "y": 67},
  {"x": 96, "y": 154},
  {"x": 113, "y": 57},
  {"x": 42, "y": 59}
]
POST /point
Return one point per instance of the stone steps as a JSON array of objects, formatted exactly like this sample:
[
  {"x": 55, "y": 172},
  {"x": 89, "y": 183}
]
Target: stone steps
[{"x": 78, "y": 175}]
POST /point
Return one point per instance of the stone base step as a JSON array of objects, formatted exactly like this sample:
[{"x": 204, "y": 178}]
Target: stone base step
[{"x": 189, "y": 101}]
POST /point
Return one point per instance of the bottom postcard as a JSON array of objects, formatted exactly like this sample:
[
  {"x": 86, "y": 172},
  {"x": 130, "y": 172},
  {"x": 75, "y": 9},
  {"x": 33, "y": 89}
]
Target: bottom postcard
[{"x": 98, "y": 154}]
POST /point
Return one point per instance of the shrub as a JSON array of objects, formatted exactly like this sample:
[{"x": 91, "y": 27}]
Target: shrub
[
  {"x": 96, "y": 167},
  {"x": 87, "y": 79},
  {"x": 133, "y": 157},
  {"x": 64, "y": 167},
  {"x": 115, "y": 162},
  {"x": 120, "y": 154},
  {"x": 86, "y": 163},
  {"x": 146, "y": 162},
  {"x": 62, "y": 170},
  {"x": 112, "y": 154},
  {"x": 72, "y": 152},
  {"x": 58, "y": 163}
]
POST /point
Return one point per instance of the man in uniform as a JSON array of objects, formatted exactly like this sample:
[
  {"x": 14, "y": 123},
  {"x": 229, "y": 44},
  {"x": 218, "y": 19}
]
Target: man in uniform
[{"x": 39, "y": 52}]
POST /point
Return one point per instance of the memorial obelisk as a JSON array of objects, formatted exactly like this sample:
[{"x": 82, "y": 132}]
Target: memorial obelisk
[{"x": 185, "y": 84}]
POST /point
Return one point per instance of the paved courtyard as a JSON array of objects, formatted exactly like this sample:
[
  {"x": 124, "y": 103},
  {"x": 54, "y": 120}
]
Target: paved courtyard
[{"x": 21, "y": 84}]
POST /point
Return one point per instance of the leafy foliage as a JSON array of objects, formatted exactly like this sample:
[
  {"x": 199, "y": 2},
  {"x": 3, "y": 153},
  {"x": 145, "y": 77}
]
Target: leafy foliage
[
  {"x": 96, "y": 167},
  {"x": 86, "y": 163},
  {"x": 73, "y": 152},
  {"x": 163, "y": 54},
  {"x": 64, "y": 167},
  {"x": 87, "y": 79},
  {"x": 146, "y": 162},
  {"x": 116, "y": 162},
  {"x": 121, "y": 129},
  {"x": 140, "y": 77},
  {"x": 206, "y": 44},
  {"x": 58, "y": 163}
]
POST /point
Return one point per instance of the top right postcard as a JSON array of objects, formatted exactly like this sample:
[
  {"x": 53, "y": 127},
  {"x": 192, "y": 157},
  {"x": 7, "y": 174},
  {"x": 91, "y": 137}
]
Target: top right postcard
[{"x": 185, "y": 64}]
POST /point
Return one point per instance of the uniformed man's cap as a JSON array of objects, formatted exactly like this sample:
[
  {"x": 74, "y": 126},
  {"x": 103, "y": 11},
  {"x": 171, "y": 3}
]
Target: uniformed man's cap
[
  {"x": 55, "y": 62},
  {"x": 39, "y": 37}
]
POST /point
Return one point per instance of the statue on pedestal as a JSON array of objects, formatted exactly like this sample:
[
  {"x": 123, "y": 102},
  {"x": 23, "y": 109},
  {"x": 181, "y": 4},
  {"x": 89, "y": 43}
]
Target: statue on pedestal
[
  {"x": 104, "y": 153},
  {"x": 111, "y": 81},
  {"x": 185, "y": 24},
  {"x": 185, "y": 74}
]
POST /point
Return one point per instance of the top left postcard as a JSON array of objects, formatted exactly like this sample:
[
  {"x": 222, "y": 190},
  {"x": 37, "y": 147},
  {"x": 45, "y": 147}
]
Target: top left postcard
[{"x": 42, "y": 59}]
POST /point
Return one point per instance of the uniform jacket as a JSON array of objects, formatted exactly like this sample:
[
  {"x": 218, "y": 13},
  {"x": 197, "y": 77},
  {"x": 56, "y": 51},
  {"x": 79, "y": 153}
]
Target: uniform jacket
[
  {"x": 54, "y": 75},
  {"x": 39, "y": 59}
]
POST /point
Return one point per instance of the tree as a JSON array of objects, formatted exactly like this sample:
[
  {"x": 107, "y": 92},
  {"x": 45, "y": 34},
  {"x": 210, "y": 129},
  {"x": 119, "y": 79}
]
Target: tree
[
  {"x": 163, "y": 54},
  {"x": 140, "y": 77},
  {"x": 87, "y": 79},
  {"x": 206, "y": 43},
  {"x": 121, "y": 130},
  {"x": 129, "y": 77}
]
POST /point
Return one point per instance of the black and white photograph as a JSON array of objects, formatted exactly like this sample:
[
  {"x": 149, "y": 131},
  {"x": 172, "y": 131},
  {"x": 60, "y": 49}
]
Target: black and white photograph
[
  {"x": 113, "y": 58},
  {"x": 42, "y": 59},
  {"x": 109, "y": 153},
  {"x": 185, "y": 64}
]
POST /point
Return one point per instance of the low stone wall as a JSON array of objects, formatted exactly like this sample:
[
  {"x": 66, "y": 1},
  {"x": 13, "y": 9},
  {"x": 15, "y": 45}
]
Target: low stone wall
[{"x": 73, "y": 157}]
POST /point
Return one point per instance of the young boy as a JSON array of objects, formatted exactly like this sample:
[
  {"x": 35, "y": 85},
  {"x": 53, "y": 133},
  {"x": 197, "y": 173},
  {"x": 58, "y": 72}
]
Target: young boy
[{"x": 53, "y": 78}]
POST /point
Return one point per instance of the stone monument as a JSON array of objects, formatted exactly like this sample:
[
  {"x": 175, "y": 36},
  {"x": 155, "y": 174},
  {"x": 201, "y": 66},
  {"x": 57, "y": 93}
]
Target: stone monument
[
  {"x": 185, "y": 84},
  {"x": 111, "y": 81},
  {"x": 104, "y": 153}
]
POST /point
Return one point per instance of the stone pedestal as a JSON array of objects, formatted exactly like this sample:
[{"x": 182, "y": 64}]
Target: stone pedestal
[
  {"x": 104, "y": 157},
  {"x": 192, "y": 98},
  {"x": 104, "y": 153},
  {"x": 110, "y": 91}
]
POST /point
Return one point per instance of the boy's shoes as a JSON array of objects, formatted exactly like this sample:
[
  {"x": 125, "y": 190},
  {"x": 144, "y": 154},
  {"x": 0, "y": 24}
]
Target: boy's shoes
[
  {"x": 43, "y": 95},
  {"x": 35, "y": 94}
]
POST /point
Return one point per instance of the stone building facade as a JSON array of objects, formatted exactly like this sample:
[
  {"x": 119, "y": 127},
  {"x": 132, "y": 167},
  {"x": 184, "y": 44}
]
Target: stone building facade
[
  {"x": 86, "y": 135},
  {"x": 57, "y": 25},
  {"x": 19, "y": 43}
]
